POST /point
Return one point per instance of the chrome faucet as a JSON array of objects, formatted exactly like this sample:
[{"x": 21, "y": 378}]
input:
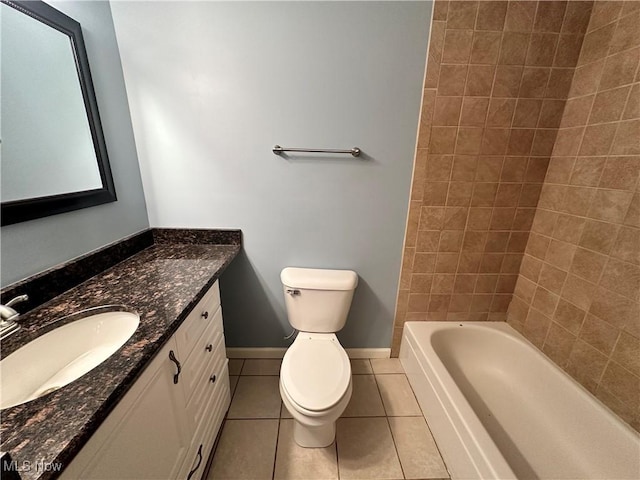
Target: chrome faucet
[{"x": 8, "y": 316}]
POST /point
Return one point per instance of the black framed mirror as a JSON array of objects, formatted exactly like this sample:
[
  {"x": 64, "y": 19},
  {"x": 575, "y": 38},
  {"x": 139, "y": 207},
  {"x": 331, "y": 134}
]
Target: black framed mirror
[{"x": 54, "y": 156}]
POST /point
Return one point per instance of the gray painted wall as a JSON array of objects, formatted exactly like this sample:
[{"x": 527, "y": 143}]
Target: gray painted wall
[
  {"x": 31, "y": 247},
  {"x": 214, "y": 85}
]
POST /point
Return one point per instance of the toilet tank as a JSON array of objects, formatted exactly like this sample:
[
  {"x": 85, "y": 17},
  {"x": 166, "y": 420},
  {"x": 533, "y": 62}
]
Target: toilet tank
[{"x": 318, "y": 300}]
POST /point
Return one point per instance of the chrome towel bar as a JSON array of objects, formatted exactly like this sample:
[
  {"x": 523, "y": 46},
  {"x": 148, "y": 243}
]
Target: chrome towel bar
[{"x": 278, "y": 150}]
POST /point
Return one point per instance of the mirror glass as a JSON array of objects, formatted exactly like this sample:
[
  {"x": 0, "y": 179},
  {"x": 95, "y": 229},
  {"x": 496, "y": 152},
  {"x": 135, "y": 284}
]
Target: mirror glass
[{"x": 53, "y": 157}]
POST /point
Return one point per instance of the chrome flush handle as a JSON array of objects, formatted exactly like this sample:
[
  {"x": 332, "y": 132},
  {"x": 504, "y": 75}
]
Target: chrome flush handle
[{"x": 293, "y": 291}]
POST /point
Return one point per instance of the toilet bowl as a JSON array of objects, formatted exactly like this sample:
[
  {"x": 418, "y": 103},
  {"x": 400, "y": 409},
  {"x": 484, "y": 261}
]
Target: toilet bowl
[
  {"x": 315, "y": 376},
  {"x": 315, "y": 386}
]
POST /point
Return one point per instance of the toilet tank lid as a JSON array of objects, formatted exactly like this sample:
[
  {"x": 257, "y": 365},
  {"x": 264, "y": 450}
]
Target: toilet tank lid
[{"x": 319, "y": 279}]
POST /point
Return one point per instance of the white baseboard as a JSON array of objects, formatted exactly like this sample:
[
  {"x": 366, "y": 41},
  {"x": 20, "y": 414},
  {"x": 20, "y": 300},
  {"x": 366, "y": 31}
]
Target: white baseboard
[{"x": 265, "y": 352}]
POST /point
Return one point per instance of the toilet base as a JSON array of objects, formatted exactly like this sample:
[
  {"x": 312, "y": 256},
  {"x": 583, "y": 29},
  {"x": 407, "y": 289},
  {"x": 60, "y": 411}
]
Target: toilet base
[{"x": 314, "y": 437}]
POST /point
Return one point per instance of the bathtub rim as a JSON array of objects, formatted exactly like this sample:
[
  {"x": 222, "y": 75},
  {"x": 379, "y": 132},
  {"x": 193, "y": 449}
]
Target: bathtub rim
[
  {"x": 481, "y": 458},
  {"x": 466, "y": 448}
]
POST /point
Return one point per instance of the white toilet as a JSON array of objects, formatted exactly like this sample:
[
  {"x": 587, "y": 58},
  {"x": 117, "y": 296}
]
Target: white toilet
[{"x": 315, "y": 377}]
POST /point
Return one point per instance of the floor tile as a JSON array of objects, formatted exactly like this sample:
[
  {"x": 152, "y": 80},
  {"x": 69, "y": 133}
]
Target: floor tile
[
  {"x": 365, "y": 399},
  {"x": 261, "y": 366},
  {"x": 256, "y": 397},
  {"x": 246, "y": 450},
  {"x": 386, "y": 365},
  {"x": 233, "y": 383},
  {"x": 235, "y": 365},
  {"x": 397, "y": 396},
  {"x": 295, "y": 462},
  {"x": 361, "y": 366},
  {"x": 284, "y": 413},
  {"x": 417, "y": 450},
  {"x": 366, "y": 449}
]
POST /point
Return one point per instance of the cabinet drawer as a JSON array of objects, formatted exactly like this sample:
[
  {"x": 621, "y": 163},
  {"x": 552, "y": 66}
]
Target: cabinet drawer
[
  {"x": 205, "y": 436},
  {"x": 197, "y": 321},
  {"x": 205, "y": 387},
  {"x": 206, "y": 349}
]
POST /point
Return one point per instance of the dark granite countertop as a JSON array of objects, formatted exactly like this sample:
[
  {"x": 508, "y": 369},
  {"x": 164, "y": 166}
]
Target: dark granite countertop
[{"x": 162, "y": 283}]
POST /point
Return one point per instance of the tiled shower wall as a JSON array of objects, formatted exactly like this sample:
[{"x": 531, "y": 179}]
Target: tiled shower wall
[
  {"x": 498, "y": 76},
  {"x": 577, "y": 296}
]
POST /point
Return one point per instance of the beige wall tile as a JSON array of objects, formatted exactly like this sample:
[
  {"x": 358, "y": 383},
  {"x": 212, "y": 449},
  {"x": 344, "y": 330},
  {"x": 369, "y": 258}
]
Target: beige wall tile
[
  {"x": 609, "y": 105},
  {"x": 578, "y": 291},
  {"x": 542, "y": 48},
  {"x": 627, "y": 139},
  {"x": 534, "y": 82},
  {"x": 622, "y": 278},
  {"x": 610, "y": 205},
  {"x": 597, "y": 139},
  {"x": 621, "y": 173},
  {"x": 587, "y": 171},
  {"x": 627, "y": 246},
  {"x": 596, "y": 44},
  {"x": 626, "y": 352},
  {"x": 627, "y": 33},
  {"x": 568, "y": 51},
  {"x": 599, "y": 334},
  {"x": 621, "y": 383},
  {"x": 559, "y": 83},
  {"x": 604, "y": 12},
  {"x": 598, "y": 236},
  {"x": 569, "y": 316},
  {"x": 520, "y": 16},
  {"x": 586, "y": 364},
  {"x": 462, "y": 14},
  {"x": 586, "y": 79},
  {"x": 456, "y": 76},
  {"x": 491, "y": 15},
  {"x": 474, "y": 112},
  {"x": 507, "y": 81},
  {"x": 457, "y": 46},
  {"x": 485, "y": 47},
  {"x": 546, "y": 161},
  {"x": 480, "y": 80},
  {"x": 588, "y": 265},
  {"x": 549, "y": 16},
  {"x": 558, "y": 344},
  {"x": 577, "y": 17},
  {"x": 619, "y": 69}
]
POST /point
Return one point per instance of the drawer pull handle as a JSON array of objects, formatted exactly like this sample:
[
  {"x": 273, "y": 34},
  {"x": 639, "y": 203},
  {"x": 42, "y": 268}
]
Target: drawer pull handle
[
  {"x": 205, "y": 314},
  {"x": 209, "y": 348},
  {"x": 172, "y": 357},
  {"x": 198, "y": 465},
  {"x": 213, "y": 378}
]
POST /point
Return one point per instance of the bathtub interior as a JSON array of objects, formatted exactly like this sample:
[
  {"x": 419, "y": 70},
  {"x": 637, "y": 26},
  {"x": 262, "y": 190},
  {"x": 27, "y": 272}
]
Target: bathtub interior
[{"x": 541, "y": 421}]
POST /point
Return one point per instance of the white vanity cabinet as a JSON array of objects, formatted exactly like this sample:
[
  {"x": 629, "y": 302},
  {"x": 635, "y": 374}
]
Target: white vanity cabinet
[{"x": 165, "y": 425}]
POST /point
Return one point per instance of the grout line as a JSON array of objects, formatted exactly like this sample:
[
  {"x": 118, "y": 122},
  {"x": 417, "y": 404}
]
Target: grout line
[{"x": 275, "y": 453}]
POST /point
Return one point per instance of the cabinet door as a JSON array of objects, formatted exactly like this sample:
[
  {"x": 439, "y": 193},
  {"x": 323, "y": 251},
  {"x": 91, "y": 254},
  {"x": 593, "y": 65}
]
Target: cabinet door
[{"x": 146, "y": 436}]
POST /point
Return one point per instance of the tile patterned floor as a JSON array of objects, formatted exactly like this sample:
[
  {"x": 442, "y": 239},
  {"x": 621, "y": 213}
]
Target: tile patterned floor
[{"x": 381, "y": 435}]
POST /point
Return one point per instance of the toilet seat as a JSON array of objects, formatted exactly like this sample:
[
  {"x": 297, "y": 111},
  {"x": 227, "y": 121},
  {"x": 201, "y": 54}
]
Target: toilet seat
[{"x": 315, "y": 371}]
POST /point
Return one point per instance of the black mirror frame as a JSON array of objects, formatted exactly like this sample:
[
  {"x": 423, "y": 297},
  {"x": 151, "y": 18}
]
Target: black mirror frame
[{"x": 32, "y": 208}]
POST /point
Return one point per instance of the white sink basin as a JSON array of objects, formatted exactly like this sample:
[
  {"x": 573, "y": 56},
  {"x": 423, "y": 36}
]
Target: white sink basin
[{"x": 62, "y": 355}]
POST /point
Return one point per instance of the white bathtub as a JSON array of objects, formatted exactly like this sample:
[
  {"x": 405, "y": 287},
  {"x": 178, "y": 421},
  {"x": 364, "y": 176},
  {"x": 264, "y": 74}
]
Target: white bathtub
[{"x": 499, "y": 409}]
